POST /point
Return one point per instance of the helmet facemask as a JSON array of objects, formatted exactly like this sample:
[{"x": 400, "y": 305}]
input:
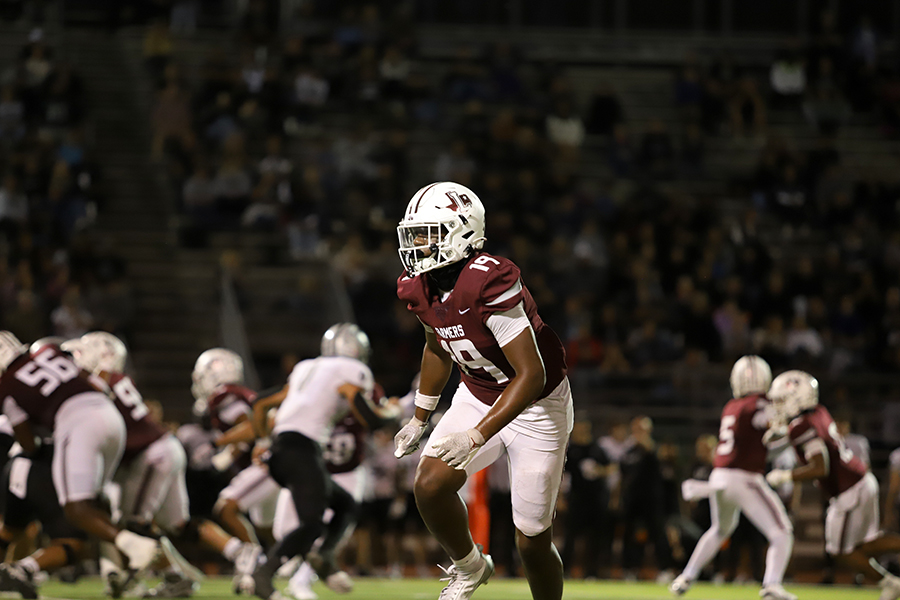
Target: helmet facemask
[{"x": 443, "y": 224}]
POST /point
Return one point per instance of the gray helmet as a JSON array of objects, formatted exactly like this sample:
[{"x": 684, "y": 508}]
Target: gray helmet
[{"x": 346, "y": 339}]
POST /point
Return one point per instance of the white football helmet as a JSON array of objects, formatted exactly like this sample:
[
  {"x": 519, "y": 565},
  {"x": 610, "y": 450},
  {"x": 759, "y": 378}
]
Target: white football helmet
[
  {"x": 793, "y": 392},
  {"x": 346, "y": 339},
  {"x": 98, "y": 351},
  {"x": 214, "y": 368},
  {"x": 443, "y": 224},
  {"x": 37, "y": 344},
  {"x": 10, "y": 349},
  {"x": 750, "y": 375}
]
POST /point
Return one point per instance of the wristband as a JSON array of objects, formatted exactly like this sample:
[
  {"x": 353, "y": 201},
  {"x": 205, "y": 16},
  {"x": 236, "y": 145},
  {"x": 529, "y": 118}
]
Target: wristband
[{"x": 427, "y": 402}]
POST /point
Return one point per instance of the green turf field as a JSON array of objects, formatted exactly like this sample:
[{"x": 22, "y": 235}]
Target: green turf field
[{"x": 504, "y": 589}]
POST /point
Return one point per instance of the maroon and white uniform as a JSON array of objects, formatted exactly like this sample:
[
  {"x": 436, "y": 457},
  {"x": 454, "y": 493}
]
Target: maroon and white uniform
[
  {"x": 852, "y": 517},
  {"x": 50, "y": 391},
  {"x": 737, "y": 485},
  {"x": 488, "y": 307},
  {"x": 228, "y": 404},
  {"x": 152, "y": 473}
]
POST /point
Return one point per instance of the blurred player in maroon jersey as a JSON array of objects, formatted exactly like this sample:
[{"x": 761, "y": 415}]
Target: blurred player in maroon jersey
[
  {"x": 514, "y": 400},
  {"x": 46, "y": 389},
  {"x": 152, "y": 473},
  {"x": 852, "y": 533},
  {"x": 737, "y": 484}
]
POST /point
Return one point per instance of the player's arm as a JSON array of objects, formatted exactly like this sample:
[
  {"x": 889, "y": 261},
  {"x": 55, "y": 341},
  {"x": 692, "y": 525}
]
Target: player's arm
[
  {"x": 25, "y": 437},
  {"x": 259, "y": 419},
  {"x": 523, "y": 389},
  {"x": 817, "y": 465},
  {"x": 436, "y": 368},
  {"x": 242, "y": 432}
]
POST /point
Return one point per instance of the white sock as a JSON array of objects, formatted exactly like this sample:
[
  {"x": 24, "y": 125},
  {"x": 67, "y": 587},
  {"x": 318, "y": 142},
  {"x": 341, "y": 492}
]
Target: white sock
[
  {"x": 470, "y": 562},
  {"x": 707, "y": 547},
  {"x": 304, "y": 576},
  {"x": 29, "y": 564},
  {"x": 777, "y": 557},
  {"x": 232, "y": 548}
]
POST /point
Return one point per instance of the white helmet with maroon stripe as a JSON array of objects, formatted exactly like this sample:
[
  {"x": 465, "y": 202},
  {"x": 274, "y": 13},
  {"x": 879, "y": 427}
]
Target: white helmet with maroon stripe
[
  {"x": 10, "y": 349},
  {"x": 98, "y": 351},
  {"x": 794, "y": 392},
  {"x": 750, "y": 375},
  {"x": 214, "y": 368},
  {"x": 443, "y": 224}
]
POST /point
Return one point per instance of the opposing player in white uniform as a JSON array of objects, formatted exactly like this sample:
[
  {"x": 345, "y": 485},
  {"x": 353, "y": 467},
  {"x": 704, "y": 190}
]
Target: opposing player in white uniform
[
  {"x": 737, "y": 485},
  {"x": 320, "y": 392}
]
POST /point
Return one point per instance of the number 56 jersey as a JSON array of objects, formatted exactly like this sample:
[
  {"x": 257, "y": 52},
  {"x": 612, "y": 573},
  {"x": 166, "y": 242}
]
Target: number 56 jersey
[{"x": 487, "y": 308}]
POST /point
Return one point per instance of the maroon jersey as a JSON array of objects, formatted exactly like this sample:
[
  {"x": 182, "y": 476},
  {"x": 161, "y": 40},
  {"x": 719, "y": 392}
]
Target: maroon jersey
[
  {"x": 228, "y": 404},
  {"x": 845, "y": 469},
  {"x": 346, "y": 446},
  {"x": 34, "y": 387},
  {"x": 744, "y": 421},
  {"x": 486, "y": 285},
  {"x": 141, "y": 430}
]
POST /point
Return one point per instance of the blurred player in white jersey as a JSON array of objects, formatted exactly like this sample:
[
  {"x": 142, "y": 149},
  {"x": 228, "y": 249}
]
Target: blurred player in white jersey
[{"x": 320, "y": 392}]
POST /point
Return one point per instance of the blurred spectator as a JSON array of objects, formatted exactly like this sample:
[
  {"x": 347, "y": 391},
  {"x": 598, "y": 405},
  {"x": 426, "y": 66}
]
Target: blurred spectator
[
  {"x": 70, "y": 319},
  {"x": 587, "y": 467},
  {"x": 642, "y": 500},
  {"x": 158, "y": 48},
  {"x": 657, "y": 152},
  {"x": 747, "y": 111},
  {"x": 454, "y": 163},
  {"x": 787, "y": 77},
  {"x": 604, "y": 111},
  {"x": 564, "y": 128}
]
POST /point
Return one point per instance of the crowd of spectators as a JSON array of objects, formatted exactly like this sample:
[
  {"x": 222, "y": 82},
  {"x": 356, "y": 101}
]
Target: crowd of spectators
[
  {"x": 56, "y": 276},
  {"x": 316, "y": 132}
]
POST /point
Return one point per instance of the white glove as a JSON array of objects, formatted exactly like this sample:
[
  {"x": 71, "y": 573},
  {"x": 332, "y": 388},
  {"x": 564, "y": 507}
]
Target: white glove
[
  {"x": 223, "y": 460},
  {"x": 779, "y": 477},
  {"x": 695, "y": 489},
  {"x": 458, "y": 449},
  {"x": 774, "y": 434},
  {"x": 407, "y": 439}
]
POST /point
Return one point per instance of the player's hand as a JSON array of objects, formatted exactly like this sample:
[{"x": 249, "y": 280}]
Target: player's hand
[
  {"x": 779, "y": 477},
  {"x": 223, "y": 460},
  {"x": 407, "y": 439},
  {"x": 458, "y": 449},
  {"x": 774, "y": 434}
]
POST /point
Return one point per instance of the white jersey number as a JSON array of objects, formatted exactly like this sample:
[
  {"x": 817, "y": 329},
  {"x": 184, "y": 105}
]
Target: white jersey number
[
  {"x": 130, "y": 397},
  {"x": 51, "y": 371},
  {"x": 726, "y": 435},
  {"x": 467, "y": 356},
  {"x": 340, "y": 449}
]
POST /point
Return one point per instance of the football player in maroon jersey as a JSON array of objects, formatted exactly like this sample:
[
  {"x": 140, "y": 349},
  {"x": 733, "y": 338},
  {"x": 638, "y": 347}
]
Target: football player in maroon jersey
[
  {"x": 47, "y": 389},
  {"x": 737, "y": 485},
  {"x": 852, "y": 533},
  {"x": 514, "y": 400}
]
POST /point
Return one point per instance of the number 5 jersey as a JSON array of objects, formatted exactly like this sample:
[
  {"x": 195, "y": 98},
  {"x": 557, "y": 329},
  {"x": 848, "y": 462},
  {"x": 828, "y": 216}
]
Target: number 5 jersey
[{"x": 487, "y": 308}]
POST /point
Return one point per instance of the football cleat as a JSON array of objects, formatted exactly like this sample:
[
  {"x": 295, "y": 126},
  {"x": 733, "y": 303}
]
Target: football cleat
[
  {"x": 339, "y": 582},
  {"x": 776, "y": 592},
  {"x": 461, "y": 585},
  {"x": 121, "y": 584},
  {"x": 179, "y": 562},
  {"x": 680, "y": 585},
  {"x": 173, "y": 585},
  {"x": 890, "y": 587},
  {"x": 141, "y": 551},
  {"x": 244, "y": 564},
  {"x": 301, "y": 590},
  {"x": 15, "y": 578}
]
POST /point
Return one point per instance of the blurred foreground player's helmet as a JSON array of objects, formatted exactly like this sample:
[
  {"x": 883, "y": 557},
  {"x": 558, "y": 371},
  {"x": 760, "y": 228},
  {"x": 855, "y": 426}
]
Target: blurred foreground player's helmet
[
  {"x": 51, "y": 340},
  {"x": 750, "y": 375},
  {"x": 793, "y": 392},
  {"x": 346, "y": 339},
  {"x": 443, "y": 224},
  {"x": 214, "y": 368},
  {"x": 98, "y": 351}
]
